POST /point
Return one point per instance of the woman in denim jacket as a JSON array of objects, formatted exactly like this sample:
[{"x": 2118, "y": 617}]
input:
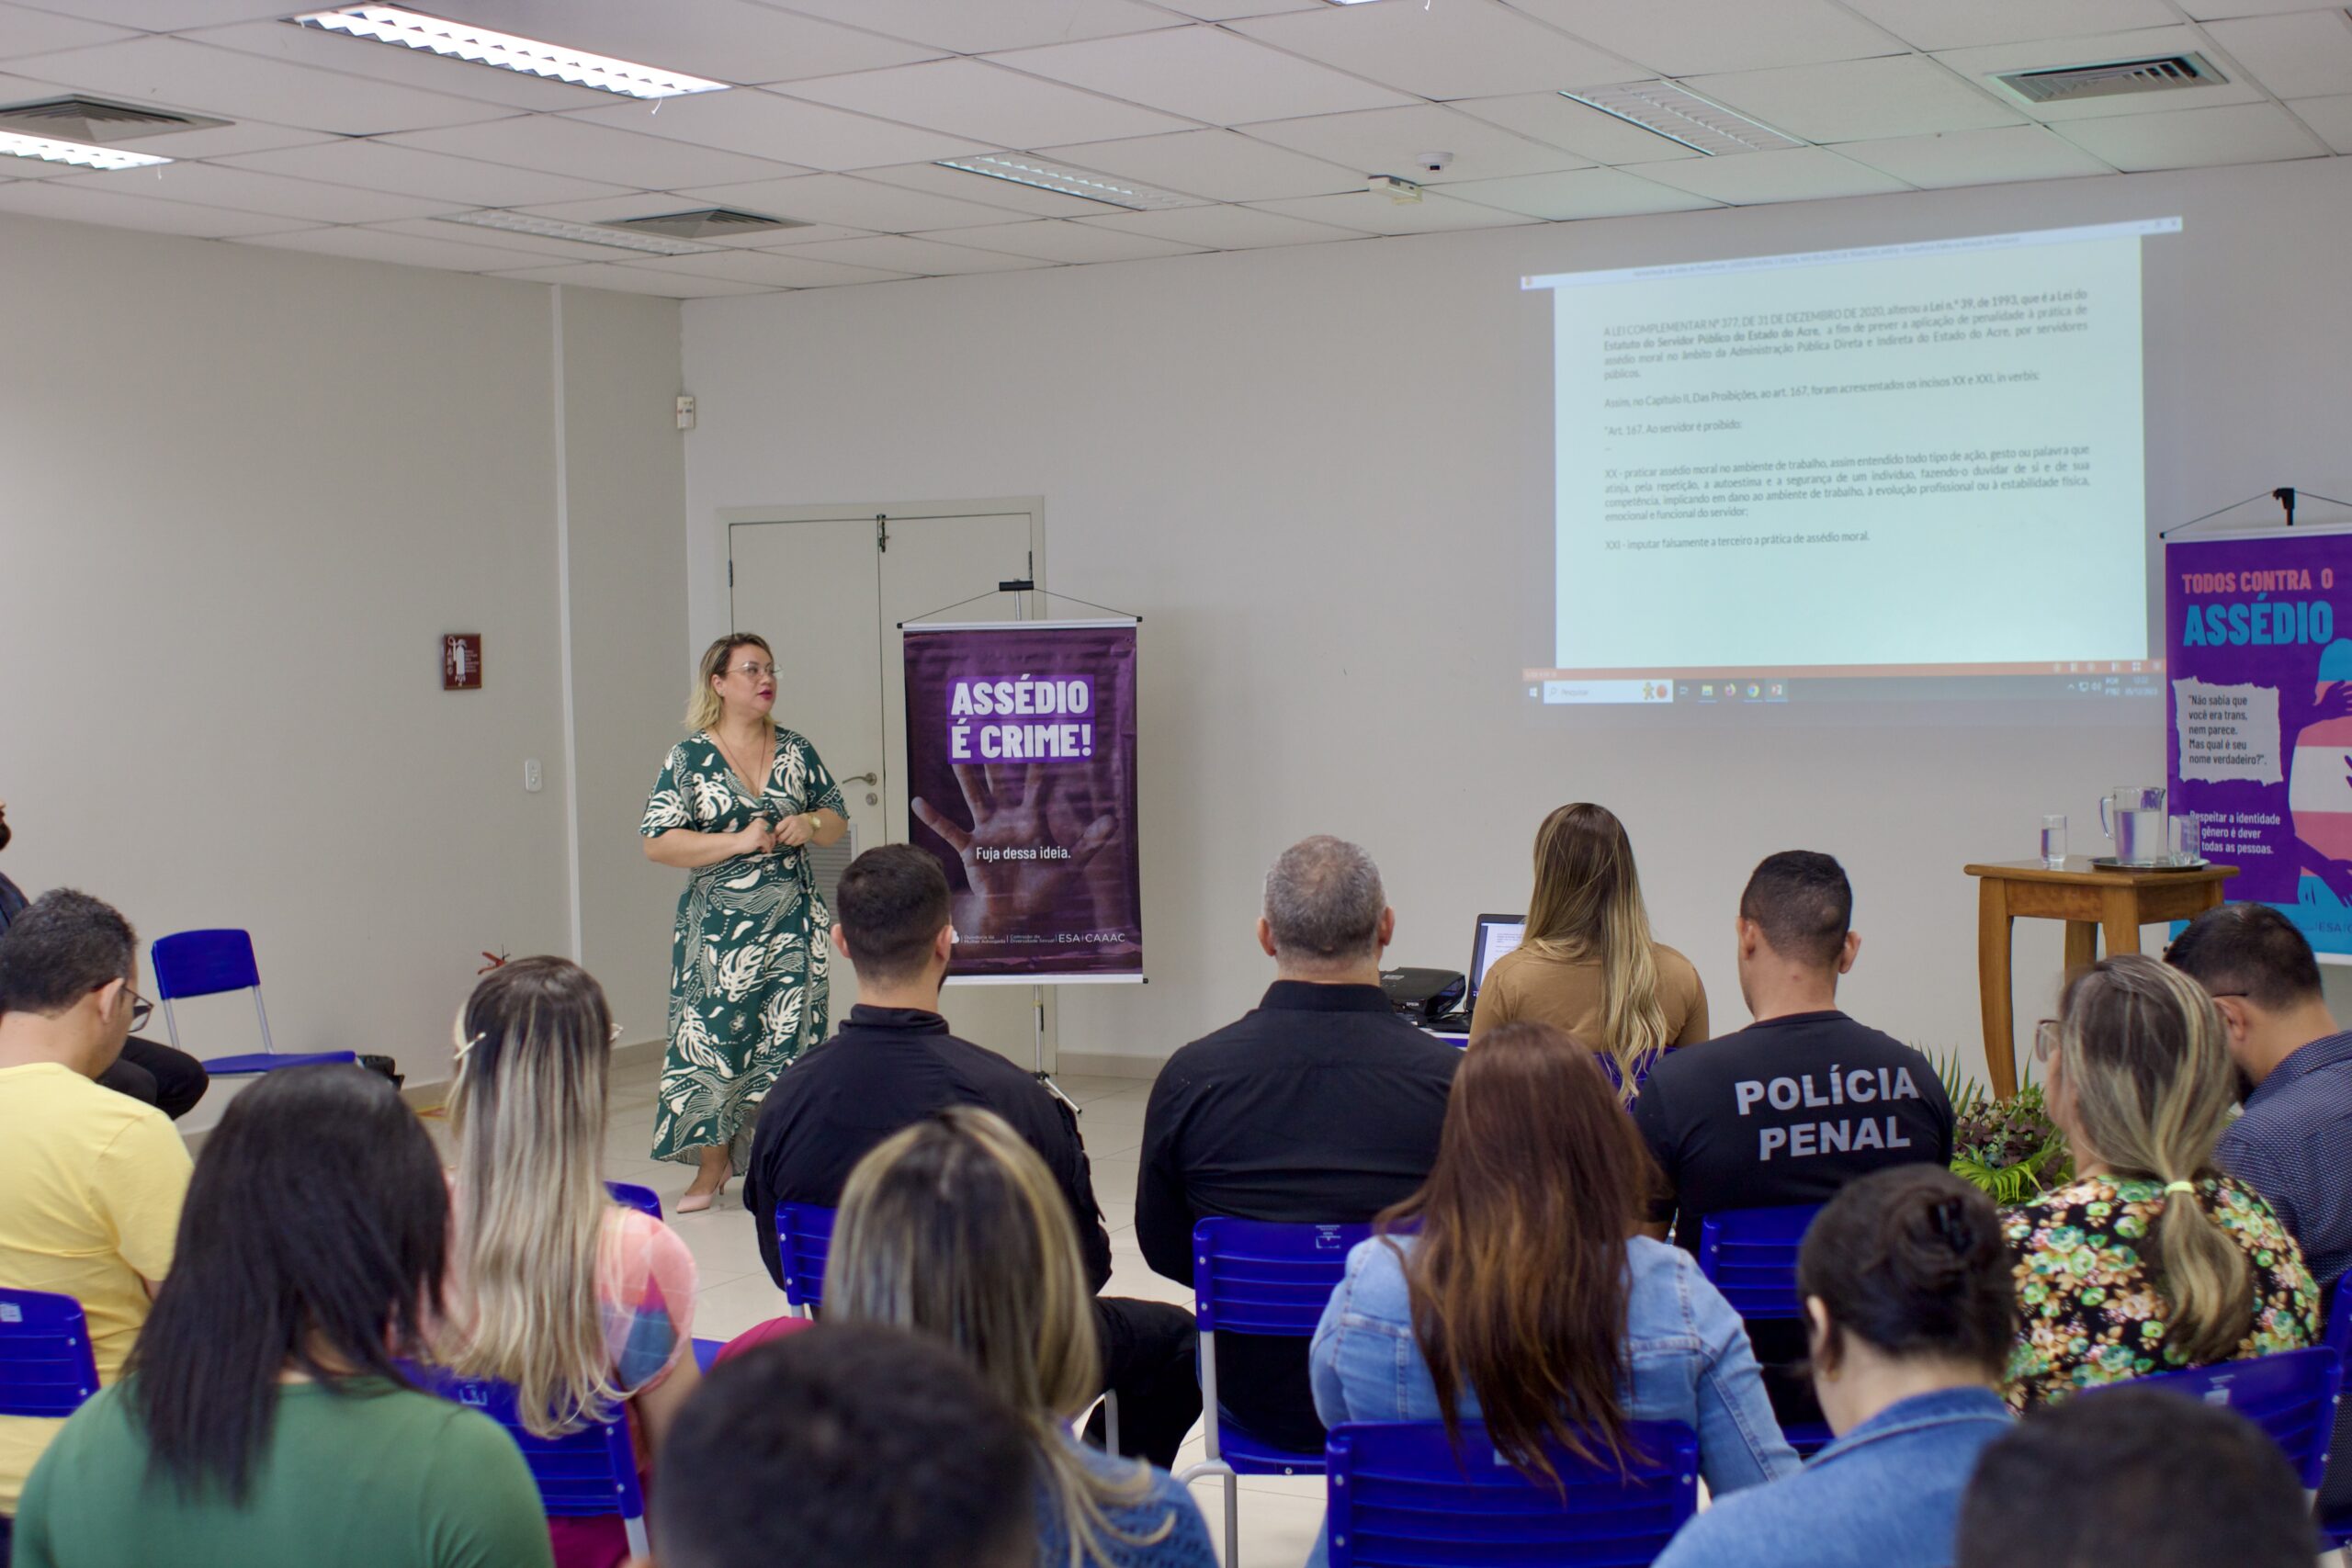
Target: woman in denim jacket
[
  {"x": 1906, "y": 1284},
  {"x": 1524, "y": 1274}
]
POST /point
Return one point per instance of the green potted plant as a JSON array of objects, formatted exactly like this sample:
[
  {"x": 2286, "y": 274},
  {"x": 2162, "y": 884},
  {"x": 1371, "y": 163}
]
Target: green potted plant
[{"x": 2008, "y": 1148}]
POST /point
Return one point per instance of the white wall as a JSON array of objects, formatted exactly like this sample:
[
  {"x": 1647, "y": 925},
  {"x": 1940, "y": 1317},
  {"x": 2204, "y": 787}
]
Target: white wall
[
  {"x": 242, "y": 494},
  {"x": 1322, "y": 475}
]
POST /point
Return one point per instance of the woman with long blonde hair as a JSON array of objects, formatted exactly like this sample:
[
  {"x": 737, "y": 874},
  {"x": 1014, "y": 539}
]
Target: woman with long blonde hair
[
  {"x": 2150, "y": 1260},
  {"x": 737, "y": 803},
  {"x": 1587, "y": 963},
  {"x": 954, "y": 1228},
  {"x": 585, "y": 1306}
]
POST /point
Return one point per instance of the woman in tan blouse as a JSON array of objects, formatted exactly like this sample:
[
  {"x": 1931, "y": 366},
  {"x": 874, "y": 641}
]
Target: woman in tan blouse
[{"x": 1587, "y": 963}]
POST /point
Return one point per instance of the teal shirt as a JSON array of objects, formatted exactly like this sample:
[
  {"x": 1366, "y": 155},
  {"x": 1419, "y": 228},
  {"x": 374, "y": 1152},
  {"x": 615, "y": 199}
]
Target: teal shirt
[{"x": 381, "y": 1479}]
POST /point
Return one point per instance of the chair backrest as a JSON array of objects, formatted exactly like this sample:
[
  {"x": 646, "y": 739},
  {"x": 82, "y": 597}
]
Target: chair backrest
[
  {"x": 587, "y": 1472},
  {"x": 1252, "y": 1277},
  {"x": 630, "y": 1195},
  {"x": 1401, "y": 1493},
  {"x": 2290, "y": 1394},
  {"x": 1750, "y": 1255},
  {"x": 201, "y": 963},
  {"x": 46, "y": 1364},
  {"x": 804, "y": 1235}
]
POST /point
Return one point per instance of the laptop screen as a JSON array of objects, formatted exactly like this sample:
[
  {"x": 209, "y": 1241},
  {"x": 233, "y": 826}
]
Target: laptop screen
[{"x": 1498, "y": 934}]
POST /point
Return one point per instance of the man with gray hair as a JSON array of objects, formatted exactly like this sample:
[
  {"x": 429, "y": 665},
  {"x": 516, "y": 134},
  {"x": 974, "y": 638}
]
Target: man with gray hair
[{"x": 1320, "y": 1105}]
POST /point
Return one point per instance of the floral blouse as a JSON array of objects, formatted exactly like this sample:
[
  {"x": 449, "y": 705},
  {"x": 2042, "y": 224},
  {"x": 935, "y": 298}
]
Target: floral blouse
[{"x": 2088, "y": 1298}]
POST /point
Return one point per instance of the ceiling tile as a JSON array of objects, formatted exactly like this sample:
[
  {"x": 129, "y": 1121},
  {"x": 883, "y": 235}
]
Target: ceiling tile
[
  {"x": 2300, "y": 55},
  {"x": 1577, "y": 193},
  {"x": 959, "y": 183},
  {"x": 961, "y": 26},
  {"x": 78, "y": 203},
  {"x": 974, "y": 98},
  {"x": 1794, "y": 174},
  {"x": 1941, "y": 24},
  {"x": 776, "y": 269},
  {"x": 768, "y": 126},
  {"x": 635, "y": 280},
  {"x": 559, "y": 144},
  {"x": 929, "y": 258},
  {"x": 1053, "y": 240},
  {"x": 1976, "y": 157},
  {"x": 402, "y": 67},
  {"x": 2191, "y": 139},
  {"x": 528, "y": 245},
  {"x": 236, "y": 85},
  {"x": 406, "y": 250},
  {"x": 1684, "y": 39},
  {"x": 728, "y": 40},
  {"x": 1227, "y": 10},
  {"x": 1219, "y": 165},
  {"x": 1465, "y": 49},
  {"x": 853, "y": 203},
  {"x": 1388, "y": 142},
  {"x": 2210, "y": 11},
  {"x": 1579, "y": 128},
  {"x": 1374, "y": 214},
  {"x": 1224, "y": 227},
  {"x": 1206, "y": 73},
  {"x": 1902, "y": 94},
  {"x": 25, "y": 31},
  {"x": 1981, "y": 63},
  {"x": 2331, "y": 116},
  {"x": 144, "y": 13},
  {"x": 409, "y": 171},
  {"x": 248, "y": 190}
]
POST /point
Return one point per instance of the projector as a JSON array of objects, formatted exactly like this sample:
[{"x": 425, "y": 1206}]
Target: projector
[{"x": 1423, "y": 996}]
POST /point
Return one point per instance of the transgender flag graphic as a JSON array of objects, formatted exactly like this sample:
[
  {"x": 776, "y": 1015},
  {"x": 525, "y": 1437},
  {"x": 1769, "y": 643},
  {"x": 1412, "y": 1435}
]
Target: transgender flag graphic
[{"x": 2319, "y": 783}]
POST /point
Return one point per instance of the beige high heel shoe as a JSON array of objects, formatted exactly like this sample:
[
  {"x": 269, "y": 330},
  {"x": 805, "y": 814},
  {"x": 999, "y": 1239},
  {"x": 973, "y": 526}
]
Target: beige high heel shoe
[{"x": 694, "y": 1203}]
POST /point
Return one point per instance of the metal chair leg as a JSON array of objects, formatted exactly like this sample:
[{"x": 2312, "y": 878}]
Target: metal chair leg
[{"x": 1232, "y": 1521}]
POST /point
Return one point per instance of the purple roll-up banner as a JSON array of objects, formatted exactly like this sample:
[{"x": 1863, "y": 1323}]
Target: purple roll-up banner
[
  {"x": 2258, "y": 646},
  {"x": 1021, "y": 774}
]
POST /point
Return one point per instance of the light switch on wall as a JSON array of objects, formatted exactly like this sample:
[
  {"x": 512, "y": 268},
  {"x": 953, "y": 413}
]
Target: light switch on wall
[{"x": 531, "y": 779}]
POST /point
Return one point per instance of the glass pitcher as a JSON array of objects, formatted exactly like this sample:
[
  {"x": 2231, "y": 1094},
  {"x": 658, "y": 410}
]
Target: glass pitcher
[{"x": 2134, "y": 817}]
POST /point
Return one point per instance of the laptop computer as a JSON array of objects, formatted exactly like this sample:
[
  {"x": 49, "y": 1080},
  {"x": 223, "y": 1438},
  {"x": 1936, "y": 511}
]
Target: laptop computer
[{"x": 1495, "y": 935}]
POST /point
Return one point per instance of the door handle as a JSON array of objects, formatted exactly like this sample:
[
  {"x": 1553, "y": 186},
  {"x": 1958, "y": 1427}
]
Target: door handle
[{"x": 861, "y": 778}]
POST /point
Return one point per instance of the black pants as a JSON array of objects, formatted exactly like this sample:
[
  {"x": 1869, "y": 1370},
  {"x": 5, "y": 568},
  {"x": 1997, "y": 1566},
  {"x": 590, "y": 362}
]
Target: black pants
[
  {"x": 172, "y": 1081},
  {"x": 1147, "y": 1360}
]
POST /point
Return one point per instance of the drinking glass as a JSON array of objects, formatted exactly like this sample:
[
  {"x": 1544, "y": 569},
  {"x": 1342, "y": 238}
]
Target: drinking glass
[
  {"x": 2187, "y": 841},
  {"x": 2054, "y": 841}
]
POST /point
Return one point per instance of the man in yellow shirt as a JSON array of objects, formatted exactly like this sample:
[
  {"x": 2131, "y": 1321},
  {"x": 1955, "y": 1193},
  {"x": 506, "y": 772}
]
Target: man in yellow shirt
[{"x": 90, "y": 1181}]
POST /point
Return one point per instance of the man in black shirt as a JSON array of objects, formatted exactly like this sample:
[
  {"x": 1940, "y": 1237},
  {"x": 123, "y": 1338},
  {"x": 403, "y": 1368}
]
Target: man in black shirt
[
  {"x": 1804, "y": 1099},
  {"x": 893, "y": 1063},
  {"x": 1320, "y": 1105}
]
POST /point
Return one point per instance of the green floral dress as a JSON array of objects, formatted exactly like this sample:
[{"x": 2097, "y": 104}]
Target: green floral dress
[
  {"x": 748, "y": 966},
  {"x": 2091, "y": 1312}
]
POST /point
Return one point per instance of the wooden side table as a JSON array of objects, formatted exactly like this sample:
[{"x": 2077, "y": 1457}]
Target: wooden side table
[{"x": 2089, "y": 900}]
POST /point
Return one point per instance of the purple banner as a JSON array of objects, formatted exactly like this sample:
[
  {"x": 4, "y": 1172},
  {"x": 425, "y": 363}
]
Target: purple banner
[
  {"x": 2255, "y": 634},
  {"x": 1020, "y": 771}
]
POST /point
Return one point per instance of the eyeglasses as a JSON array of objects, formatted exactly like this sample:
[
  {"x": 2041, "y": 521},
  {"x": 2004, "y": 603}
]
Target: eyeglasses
[
  {"x": 2045, "y": 1040},
  {"x": 141, "y": 1009},
  {"x": 765, "y": 672}
]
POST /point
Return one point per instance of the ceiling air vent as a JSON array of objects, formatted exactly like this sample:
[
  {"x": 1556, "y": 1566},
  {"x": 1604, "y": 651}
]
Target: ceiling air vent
[
  {"x": 2065, "y": 83},
  {"x": 96, "y": 121},
  {"x": 709, "y": 223}
]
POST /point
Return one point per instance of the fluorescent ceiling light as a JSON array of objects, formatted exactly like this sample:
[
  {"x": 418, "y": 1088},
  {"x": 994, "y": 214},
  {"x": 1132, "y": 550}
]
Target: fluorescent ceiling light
[
  {"x": 50, "y": 151},
  {"x": 1675, "y": 112},
  {"x": 583, "y": 233},
  {"x": 459, "y": 40},
  {"x": 1069, "y": 182}
]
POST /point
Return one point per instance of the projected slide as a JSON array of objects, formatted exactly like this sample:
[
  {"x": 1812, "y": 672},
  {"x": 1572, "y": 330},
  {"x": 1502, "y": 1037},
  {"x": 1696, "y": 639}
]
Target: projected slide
[{"x": 1920, "y": 460}]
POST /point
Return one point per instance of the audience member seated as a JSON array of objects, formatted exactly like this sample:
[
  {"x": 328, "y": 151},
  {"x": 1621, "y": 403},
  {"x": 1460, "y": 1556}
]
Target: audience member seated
[
  {"x": 1906, "y": 1285},
  {"x": 1587, "y": 963},
  {"x": 265, "y": 1423},
  {"x": 2135, "y": 1476},
  {"x": 172, "y": 1081},
  {"x": 850, "y": 1446},
  {"x": 954, "y": 1228},
  {"x": 1514, "y": 1289},
  {"x": 893, "y": 1063},
  {"x": 1321, "y": 1105},
  {"x": 2150, "y": 1260},
  {"x": 90, "y": 1182},
  {"x": 1797, "y": 1104},
  {"x": 583, "y": 1304}
]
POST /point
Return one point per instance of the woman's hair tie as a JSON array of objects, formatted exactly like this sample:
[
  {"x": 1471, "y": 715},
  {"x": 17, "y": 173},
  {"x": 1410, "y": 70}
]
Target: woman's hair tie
[
  {"x": 2188, "y": 1187},
  {"x": 1950, "y": 1217}
]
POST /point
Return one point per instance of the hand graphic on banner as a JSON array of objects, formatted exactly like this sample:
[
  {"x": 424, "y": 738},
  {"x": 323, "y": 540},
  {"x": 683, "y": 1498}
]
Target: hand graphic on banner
[{"x": 1012, "y": 890}]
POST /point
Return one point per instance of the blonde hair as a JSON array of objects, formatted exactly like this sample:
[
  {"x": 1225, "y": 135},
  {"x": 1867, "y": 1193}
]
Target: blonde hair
[
  {"x": 528, "y": 1112},
  {"x": 953, "y": 1228},
  {"x": 2145, "y": 1063},
  {"x": 704, "y": 708},
  {"x": 1588, "y": 904}
]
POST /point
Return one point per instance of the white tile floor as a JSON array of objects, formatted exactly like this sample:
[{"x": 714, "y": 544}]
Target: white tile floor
[{"x": 1279, "y": 1516}]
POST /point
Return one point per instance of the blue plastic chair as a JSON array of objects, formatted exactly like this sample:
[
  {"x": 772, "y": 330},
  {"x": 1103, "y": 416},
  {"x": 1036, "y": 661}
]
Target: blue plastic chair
[
  {"x": 1750, "y": 1255},
  {"x": 584, "y": 1473},
  {"x": 47, "y": 1367},
  {"x": 630, "y": 1195},
  {"x": 804, "y": 1235},
  {"x": 204, "y": 963},
  {"x": 1401, "y": 1493},
  {"x": 1250, "y": 1277},
  {"x": 2290, "y": 1394}
]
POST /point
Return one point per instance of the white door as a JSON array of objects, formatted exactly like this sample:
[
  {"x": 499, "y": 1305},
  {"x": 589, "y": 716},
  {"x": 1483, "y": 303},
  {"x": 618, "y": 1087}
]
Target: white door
[{"x": 827, "y": 593}]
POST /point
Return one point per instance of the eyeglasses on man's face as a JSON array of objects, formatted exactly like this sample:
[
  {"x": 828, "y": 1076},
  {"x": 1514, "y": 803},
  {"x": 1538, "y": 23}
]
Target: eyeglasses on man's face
[{"x": 141, "y": 1009}]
